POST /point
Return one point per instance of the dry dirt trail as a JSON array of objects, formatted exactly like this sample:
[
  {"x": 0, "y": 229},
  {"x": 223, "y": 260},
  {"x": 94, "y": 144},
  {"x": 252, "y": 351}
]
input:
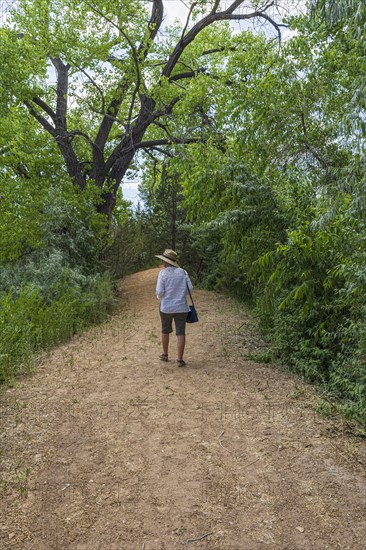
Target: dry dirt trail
[{"x": 105, "y": 447}]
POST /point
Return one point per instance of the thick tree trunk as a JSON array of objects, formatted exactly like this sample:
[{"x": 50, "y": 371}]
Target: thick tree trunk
[
  {"x": 122, "y": 156},
  {"x": 112, "y": 183},
  {"x": 72, "y": 163}
]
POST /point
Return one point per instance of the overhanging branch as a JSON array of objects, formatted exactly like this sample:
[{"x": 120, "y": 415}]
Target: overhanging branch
[
  {"x": 150, "y": 144},
  {"x": 122, "y": 87},
  {"x": 46, "y": 108},
  {"x": 212, "y": 17},
  {"x": 187, "y": 74},
  {"x": 43, "y": 121},
  {"x": 219, "y": 50},
  {"x": 154, "y": 25}
]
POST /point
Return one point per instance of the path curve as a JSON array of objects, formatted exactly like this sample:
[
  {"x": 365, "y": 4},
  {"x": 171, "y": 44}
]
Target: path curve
[{"x": 105, "y": 447}]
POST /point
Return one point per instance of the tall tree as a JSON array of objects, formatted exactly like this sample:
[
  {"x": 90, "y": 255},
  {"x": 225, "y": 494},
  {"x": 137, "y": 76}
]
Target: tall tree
[{"x": 97, "y": 76}]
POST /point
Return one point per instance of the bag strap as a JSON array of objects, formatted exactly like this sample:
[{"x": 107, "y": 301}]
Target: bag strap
[{"x": 189, "y": 292}]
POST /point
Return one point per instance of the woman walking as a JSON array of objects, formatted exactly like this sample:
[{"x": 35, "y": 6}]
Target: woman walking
[{"x": 171, "y": 289}]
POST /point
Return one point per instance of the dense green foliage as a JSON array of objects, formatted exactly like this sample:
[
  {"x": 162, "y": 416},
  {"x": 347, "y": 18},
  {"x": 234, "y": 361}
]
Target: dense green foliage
[
  {"x": 52, "y": 286},
  {"x": 29, "y": 323},
  {"x": 51, "y": 283},
  {"x": 278, "y": 209}
]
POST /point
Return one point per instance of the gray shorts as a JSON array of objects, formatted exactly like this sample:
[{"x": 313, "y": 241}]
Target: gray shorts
[{"x": 179, "y": 321}]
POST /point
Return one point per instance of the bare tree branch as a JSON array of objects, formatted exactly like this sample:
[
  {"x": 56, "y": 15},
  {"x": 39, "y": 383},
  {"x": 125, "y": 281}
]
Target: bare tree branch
[
  {"x": 62, "y": 71},
  {"x": 47, "y": 109},
  {"x": 85, "y": 136},
  {"x": 154, "y": 25},
  {"x": 155, "y": 160},
  {"x": 164, "y": 128},
  {"x": 200, "y": 70},
  {"x": 212, "y": 17},
  {"x": 42, "y": 121},
  {"x": 217, "y": 50},
  {"x": 215, "y": 6},
  {"x": 188, "y": 74},
  {"x": 72, "y": 164},
  {"x": 193, "y": 5},
  {"x": 162, "y": 151},
  {"x": 168, "y": 109},
  {"x": 174, "y": 140},
  {"x": 122, "y": 88},
  {"x": 137, "y": 129}
]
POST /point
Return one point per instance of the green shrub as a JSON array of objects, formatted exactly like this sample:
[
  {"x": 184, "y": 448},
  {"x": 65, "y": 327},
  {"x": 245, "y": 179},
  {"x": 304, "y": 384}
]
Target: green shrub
[
  {"x": 30, "y": 322},
  {"x": 312, "y": 306}
]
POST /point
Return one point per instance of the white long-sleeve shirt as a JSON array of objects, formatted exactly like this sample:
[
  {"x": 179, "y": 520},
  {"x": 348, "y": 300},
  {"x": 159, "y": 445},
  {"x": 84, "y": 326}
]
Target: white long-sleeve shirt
[{"x": 171, "y": 289}]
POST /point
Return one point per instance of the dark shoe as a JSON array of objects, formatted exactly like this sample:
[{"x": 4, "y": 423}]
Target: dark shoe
[
  {"x": 181, "y": 363},
  {"x": 163, "y": 357}
]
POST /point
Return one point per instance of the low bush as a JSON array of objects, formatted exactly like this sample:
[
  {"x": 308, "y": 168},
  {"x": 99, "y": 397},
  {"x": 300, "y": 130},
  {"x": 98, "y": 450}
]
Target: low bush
[{"x": 29, "y": 322}]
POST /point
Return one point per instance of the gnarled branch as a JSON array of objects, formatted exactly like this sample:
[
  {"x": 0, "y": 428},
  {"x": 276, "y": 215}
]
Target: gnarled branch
[
  {"x": 46, "y": 108},
  {"x": 153, "y": 143},
  {"x": 212, "y": 17},
  {"x": 43, "y": 121}
]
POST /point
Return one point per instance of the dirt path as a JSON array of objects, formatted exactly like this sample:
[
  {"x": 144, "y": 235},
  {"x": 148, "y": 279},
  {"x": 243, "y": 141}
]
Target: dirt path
[{"x": 105, "y": 447}]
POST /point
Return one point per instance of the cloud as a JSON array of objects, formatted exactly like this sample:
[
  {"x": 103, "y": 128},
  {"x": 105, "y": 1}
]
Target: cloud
[
  {"x": 130, "y": 191},
  {"x": 174, "y": 9},
  {"x": 130, "y": 185}
]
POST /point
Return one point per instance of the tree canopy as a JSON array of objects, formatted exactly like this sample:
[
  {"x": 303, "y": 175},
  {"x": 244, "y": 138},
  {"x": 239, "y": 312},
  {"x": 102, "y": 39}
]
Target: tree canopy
[{"x": 105, "y": 80}]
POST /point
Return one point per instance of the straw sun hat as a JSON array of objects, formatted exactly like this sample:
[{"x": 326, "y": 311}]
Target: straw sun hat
[{"x": 169, "y": 256}]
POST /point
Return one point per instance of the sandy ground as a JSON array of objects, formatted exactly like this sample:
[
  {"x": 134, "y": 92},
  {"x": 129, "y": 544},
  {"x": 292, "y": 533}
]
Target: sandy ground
[{"x": 105, "y": 447}]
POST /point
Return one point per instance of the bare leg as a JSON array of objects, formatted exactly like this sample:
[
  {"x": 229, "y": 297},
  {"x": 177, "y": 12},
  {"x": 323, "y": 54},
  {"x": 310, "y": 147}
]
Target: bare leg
[
  {"x": 165, "y": 342},
  {"x": 181, "y": 342}
]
